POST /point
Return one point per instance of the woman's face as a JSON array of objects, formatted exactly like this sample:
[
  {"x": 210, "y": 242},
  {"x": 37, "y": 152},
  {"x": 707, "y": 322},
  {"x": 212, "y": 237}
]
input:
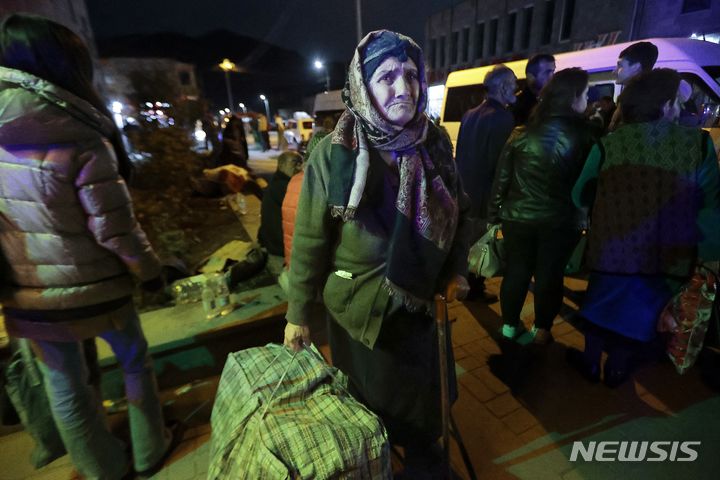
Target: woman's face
[
  {"x": 580, "y": 102},
  {"x": 394, "y": 90}
]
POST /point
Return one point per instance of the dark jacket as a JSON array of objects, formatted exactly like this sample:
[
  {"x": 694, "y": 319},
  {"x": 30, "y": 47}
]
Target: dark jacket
[
  {"x": 483, "y": 132},
  {"x": 524, "y": 104},
  {"x": 270, "y": 234},
  {"x": 536, "y": 173}
]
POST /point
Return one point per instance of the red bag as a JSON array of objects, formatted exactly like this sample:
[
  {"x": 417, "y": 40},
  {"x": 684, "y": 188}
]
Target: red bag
[{"x": 686, "y": 317}]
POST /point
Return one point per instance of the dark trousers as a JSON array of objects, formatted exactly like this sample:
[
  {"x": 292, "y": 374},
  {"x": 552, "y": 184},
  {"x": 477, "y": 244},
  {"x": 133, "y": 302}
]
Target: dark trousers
[
  {"x": 539, "y": 251},
  {"x": 399, "y": 379}
]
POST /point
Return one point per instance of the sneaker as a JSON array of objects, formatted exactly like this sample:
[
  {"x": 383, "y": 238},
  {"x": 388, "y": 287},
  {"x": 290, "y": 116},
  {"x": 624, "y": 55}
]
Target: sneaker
[
  {"x": 541, "y": 336},
  {"x": 509, "y": 331}
]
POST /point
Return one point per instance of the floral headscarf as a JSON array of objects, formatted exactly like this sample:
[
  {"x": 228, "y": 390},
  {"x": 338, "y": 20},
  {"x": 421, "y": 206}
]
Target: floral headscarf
[{"x": 427, "y": 207}]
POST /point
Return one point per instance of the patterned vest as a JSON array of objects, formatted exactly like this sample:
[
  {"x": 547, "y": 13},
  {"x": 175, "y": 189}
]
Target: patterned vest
[{"x": 644, "y": 219}]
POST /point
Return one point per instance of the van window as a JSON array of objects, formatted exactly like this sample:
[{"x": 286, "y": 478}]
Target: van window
[
  {"x": 307, "y": 124},
  {"x": 461, "y": 99},
  {"x": 714, "y": 72},
  {"x": 701, "y": 109}
]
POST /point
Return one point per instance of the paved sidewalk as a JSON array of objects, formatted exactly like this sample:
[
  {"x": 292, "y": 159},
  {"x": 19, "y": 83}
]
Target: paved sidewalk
[{"x": 526, "y": 435}]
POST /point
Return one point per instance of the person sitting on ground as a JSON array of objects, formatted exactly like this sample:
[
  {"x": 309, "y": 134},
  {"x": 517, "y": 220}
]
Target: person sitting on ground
[
  {"x": 73, "y": 245},
  {"x": 270, "y": 234}
]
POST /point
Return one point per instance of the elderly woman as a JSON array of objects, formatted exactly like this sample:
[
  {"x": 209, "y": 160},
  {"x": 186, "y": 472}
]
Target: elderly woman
[
  {"x": 381, "y": 229},
  {"x": 531, "y": 197},
  {"x": 654, "y": 187}
]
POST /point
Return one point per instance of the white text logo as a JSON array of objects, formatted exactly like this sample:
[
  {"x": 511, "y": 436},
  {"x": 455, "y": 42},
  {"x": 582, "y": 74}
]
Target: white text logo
[{"x": 627, "y": 451}]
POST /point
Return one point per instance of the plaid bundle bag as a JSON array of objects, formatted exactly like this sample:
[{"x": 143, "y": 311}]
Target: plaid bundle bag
[{"x": 285, "y": 415}]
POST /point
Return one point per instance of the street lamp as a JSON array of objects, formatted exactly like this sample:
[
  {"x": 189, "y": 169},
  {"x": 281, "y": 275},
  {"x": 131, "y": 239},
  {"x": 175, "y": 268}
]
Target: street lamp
[
  {"x": 321, "y": 66},
  {"x": 267, "y": 105},
  {"x": 242, "y": 106},
  {"x": 227, "y": 66}
]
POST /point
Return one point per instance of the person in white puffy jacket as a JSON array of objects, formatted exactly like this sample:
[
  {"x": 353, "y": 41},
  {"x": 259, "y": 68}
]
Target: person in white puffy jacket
[{"x": 72, "y": 243}]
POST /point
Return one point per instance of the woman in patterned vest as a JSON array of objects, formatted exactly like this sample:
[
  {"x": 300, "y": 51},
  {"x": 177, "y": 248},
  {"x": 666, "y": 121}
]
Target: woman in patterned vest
[{"x": 653, "y": 186}]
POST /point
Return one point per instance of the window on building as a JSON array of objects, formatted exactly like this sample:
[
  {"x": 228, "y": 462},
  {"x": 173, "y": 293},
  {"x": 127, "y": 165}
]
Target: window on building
[
  {"x": 510, "y": 32},
  {"x": 184, "y": 78},
  {"x": 441, "y": 60},
  {"x": 465, "y": 45},
  {"x": 454, "y": 48},
  {"x": 695, "y": 5},
  {"x": 479, "y": 40},
  {"x": 567, "y": 19},
  {"x": 548, "y": 23},
  {"x": 433, "y": 52},
  {"x": 527, "y": 27},
  {"x": 492, "y": 39}
]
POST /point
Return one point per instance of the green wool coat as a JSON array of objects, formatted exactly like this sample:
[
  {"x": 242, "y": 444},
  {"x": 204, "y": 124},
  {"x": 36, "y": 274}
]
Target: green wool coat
[{"x": 347, "y": 260}]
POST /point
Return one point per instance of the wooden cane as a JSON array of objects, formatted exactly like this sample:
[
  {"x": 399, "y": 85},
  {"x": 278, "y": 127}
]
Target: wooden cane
[{"x": 441, "y": 323}]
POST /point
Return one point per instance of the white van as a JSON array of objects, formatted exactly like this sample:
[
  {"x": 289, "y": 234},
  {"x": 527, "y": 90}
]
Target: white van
[{"x": 697, "y": 61}]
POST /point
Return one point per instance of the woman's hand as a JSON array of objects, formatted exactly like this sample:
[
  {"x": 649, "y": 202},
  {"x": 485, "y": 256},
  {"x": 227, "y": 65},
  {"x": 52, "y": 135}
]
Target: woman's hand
[
  {"x": 457, "y": 289},
  {"x": 296, "y": 336}
]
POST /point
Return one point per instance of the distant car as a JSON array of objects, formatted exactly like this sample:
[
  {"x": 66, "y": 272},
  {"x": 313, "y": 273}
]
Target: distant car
[{"x": 297, "y": 132}]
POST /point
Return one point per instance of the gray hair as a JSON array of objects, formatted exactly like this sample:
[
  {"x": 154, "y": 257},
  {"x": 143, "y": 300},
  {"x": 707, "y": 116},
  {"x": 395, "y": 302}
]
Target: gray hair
[{"x": 495, "y": 78}]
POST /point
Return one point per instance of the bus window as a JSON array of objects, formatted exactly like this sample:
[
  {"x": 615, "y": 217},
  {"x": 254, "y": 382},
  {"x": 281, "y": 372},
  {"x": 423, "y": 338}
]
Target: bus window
[{"x": 461, "y": 99}]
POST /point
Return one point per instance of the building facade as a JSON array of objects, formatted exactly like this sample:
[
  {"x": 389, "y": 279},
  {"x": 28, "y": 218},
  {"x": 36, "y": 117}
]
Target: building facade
[
  {"x": 178, "y": 82},
  {"x": 481, "y": 32}
]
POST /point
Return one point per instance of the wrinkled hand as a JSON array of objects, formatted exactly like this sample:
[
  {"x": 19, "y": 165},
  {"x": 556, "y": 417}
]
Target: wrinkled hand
[
  {"x": 457, "y": 289},
  {"x": 296, "y": 336}
]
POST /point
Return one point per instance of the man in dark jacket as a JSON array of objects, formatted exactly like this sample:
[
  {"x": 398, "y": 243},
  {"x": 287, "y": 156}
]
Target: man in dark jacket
[
  {"x": 637, "y": 58},
  {"x": 483, "y": 132},
  {"x": 538, "y": 72}
]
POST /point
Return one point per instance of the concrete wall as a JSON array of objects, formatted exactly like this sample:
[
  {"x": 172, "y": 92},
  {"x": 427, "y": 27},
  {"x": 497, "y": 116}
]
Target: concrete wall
[
  {"x": 594, "y": 23},
  {"x": 664, "y": 18}
]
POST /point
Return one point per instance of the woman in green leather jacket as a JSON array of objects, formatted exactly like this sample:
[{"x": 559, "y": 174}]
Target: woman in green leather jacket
[{"x": 531, "y": 197}]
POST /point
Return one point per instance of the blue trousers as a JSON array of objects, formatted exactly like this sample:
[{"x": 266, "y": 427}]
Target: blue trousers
[{"x": 77, "y": 410}]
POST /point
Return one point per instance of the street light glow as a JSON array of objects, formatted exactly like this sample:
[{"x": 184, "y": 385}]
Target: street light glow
[
  {"x": 262, "y": 97},
  {"x": 227, "y": 65},
  {"x": 318, "y": 64}
]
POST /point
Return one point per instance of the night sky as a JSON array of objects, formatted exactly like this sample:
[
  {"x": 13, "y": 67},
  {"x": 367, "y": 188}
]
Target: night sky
[{"x": 322, "y": 29}]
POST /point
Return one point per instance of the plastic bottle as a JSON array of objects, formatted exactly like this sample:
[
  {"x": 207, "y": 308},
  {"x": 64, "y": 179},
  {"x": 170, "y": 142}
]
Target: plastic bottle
[
  {"x": 208, "y": 300},
  {"x": 188, "y": 290},
  {"x": 223, "y": 304}
]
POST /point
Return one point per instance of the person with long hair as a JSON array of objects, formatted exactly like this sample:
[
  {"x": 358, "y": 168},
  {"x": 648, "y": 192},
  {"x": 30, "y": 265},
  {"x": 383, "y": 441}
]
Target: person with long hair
[
  {"x": 531, "y": 198},
  {"x": 654, "y": 188},
  {"x": 381, "y": 228},
  {"x": 73, "y": 244}
]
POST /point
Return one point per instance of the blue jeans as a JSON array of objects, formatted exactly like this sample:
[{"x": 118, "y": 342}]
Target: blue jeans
[{"x": 77, "y": 410}]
